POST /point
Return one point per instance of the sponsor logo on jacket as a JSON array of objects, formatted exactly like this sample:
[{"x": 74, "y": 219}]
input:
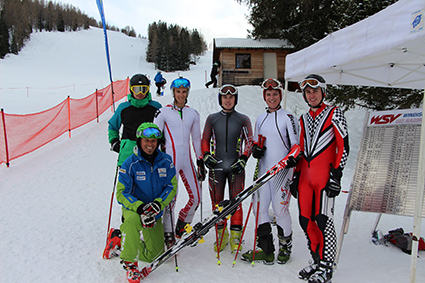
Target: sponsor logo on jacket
[{"x": 162, "y": 172}]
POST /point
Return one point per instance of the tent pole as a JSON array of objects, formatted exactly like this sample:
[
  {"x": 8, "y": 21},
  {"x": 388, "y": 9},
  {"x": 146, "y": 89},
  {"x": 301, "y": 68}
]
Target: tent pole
[
  {"x": 285, "y": 94},
  {"x": 419, "y": 201}
]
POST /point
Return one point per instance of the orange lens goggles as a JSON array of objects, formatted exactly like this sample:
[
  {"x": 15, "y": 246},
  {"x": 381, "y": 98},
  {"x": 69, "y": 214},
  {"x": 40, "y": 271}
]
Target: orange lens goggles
[
  {"x": 271, "y": 84},
  {"x": 312, "y": 83}
]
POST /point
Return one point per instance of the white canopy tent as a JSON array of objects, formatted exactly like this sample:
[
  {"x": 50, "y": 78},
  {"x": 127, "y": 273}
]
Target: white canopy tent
[{"x": 385, "y": 50}]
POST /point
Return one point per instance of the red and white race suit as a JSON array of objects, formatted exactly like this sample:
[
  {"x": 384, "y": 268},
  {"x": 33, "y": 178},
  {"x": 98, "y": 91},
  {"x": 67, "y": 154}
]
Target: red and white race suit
[
  {"x": 324, "y": 141},
  {"x": 179, "y": 126}
]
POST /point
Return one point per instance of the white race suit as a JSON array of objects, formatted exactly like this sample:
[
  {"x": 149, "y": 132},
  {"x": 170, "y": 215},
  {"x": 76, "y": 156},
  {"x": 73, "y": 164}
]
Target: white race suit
[
  {"x": 178, "y": 126},
  {"x": 280, "y": 129}
]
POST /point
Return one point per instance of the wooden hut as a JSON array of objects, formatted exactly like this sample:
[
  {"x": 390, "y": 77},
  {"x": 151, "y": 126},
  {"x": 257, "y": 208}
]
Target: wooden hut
[{"x": 248, "y": 62}]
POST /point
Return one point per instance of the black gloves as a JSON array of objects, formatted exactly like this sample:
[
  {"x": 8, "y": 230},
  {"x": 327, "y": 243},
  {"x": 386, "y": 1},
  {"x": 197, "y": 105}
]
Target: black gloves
[
  {"x": 292, "y": 162},
  {"x": 333, "y": 187},
  {"x": 239, "y": 166},
  {"x": 148, "y": 221},
  {"x": 150, "y": 209},
  {"x": 115, "y": 145},
  {"x": 210, "y": 161},
  {"x": 293, "y": 185},
  {"x": 201, "y": 170},
  {"x": 257, "y": 151}
]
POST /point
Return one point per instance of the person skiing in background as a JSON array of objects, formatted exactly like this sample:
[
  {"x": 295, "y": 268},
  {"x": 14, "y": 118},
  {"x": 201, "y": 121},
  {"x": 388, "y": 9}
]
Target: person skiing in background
[
  {"x": 179, "y": 124},
  {"x": 317, "y": 177},
  {"x": 159, "y": 82},
  {"x": 213, "y": 75},
  {"x": 147, "y": 184},
  {"x": 130, "y": 114},
  {"x": 280, "y": 130},
  {"x": 223, "y": 137}
]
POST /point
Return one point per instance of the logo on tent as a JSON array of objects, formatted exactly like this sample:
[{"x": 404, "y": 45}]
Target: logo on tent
[{"x": 417, "y": 22}]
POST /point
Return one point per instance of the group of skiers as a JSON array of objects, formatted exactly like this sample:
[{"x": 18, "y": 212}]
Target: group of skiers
[{"x": 154, "y": 151}]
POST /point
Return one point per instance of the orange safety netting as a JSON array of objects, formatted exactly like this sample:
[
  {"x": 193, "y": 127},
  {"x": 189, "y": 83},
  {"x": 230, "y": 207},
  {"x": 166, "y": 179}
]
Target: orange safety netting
[{"x": 22, "y": 134}]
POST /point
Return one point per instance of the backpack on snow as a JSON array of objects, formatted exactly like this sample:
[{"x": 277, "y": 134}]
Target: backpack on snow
[{"x": 403, "y": 240}]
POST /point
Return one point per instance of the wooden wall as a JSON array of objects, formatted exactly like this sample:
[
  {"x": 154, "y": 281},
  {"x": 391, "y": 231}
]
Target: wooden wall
[{"x": 253, "y": 76}]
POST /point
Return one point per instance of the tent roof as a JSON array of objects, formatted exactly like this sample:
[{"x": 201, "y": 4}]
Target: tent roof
[{"x": 386, "y": 49}]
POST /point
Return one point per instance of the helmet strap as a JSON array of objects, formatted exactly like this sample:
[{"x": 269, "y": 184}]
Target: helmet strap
[
  {"x": 174, "y": 96},
  {"x": 276, "y": 108}
]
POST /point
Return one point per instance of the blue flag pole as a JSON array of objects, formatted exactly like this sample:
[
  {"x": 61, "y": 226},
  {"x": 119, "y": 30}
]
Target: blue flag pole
[{"x": 102, "y": 16}]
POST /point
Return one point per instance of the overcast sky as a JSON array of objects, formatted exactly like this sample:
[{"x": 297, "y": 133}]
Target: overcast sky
[{"x": 214, "y": 19}]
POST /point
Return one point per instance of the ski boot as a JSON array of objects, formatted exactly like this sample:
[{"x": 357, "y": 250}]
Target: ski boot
[
  {"x": 113, "y": 244},
  {"x": 310, "y": 269},
  {"x": 222, "y": 233},
  {"x": 169, "y": 239},
  {"x": 180, "y": 228},
  {"x": 264, "y": 250},
  {"x": 285, "y": 249},
  {"x": 235, "y": 239},
  {"x": 323, "y": 273},
  {"x": 260, "y": 255},
  {"x": 133, "y": 273}
]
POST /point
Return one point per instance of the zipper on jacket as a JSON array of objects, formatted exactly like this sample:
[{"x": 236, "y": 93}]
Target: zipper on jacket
[{"x": 227, "y": 129}]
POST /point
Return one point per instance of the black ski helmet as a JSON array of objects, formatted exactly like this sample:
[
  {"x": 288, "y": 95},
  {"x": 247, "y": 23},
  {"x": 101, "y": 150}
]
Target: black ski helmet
[
  {"x": 139, "y": 79},
  {"x": 321, "y": 80}
]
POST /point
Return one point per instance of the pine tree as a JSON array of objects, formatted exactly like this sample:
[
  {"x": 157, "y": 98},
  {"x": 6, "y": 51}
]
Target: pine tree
[
  {"x": 60, "y": 23},
  {"x": 4, "y": 36}
]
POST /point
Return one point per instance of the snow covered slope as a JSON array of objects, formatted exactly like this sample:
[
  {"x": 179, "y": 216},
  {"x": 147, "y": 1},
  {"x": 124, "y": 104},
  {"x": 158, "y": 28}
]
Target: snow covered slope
[{"x": 54, "y": 202}]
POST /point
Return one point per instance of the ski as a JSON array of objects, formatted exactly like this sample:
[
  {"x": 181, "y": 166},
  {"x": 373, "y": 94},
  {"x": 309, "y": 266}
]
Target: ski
[{"x": 195, "y": 234}]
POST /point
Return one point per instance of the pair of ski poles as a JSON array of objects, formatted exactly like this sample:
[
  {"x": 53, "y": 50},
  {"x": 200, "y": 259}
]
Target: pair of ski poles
[{"x": 260, "y": 143}]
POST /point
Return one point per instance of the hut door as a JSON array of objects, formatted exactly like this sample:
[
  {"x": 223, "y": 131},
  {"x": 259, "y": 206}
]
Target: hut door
[{"x": 270, "y": 65}]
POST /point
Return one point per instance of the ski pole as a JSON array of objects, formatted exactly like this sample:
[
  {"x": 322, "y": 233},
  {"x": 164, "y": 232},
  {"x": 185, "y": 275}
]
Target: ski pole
[
  {"x": 260, "y": 143},
  {"x": 221, "y": 241},
  {"x": 200, "y": 187},
  {"x": 261, "y": 140},
  {"x": 256, "y": 226},
  {"x": 112, "y": 200},
  {"x": 243, "y": 232},
  {"x": 172, "y": 232}
]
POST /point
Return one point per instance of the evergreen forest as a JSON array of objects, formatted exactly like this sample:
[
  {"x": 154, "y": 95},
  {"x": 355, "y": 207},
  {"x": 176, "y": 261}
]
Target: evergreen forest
[
  {"x": 19, "y": 18},
  {"x": 172, "y": 47}
]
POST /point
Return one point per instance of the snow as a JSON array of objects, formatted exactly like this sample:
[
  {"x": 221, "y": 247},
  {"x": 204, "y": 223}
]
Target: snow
[{"x": 54, "y": 202}]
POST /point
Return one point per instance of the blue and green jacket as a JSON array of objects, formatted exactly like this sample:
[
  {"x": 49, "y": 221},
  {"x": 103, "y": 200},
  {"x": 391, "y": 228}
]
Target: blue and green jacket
[
  {"x": 140, "y": 182},
  {"x": 130, "y": 114}
]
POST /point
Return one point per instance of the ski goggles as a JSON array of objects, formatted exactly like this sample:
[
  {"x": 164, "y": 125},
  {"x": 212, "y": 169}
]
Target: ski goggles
[
  {"x": 136, "y": 89},
  {"x": 271, "y": 84},
  {"x": 180, "y": 82},
  {"x": 149, "y": 133},
  {"x": 228, "y": 89},
  {"x": 311, "y": 83}
]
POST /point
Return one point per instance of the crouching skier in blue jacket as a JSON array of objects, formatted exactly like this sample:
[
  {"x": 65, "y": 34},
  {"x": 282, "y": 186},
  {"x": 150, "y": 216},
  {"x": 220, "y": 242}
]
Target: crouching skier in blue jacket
[{"x": 147, "y": 184}]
